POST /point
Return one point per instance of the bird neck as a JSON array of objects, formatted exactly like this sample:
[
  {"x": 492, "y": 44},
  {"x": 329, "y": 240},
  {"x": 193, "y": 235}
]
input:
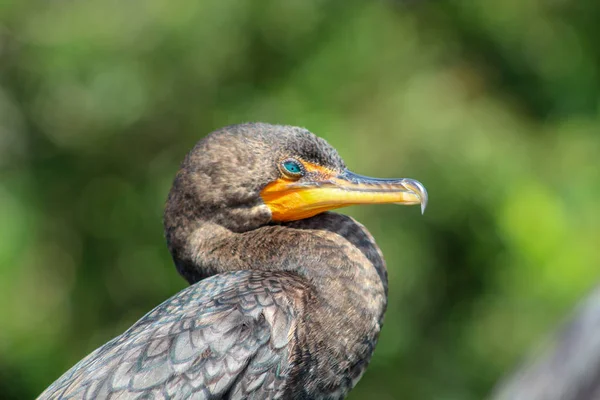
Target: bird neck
[
  {"x": 327, "y": 249},
  {"x": 334, "y": 255}
]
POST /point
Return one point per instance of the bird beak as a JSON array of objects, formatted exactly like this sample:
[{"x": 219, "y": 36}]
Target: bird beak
[{"x": 291, "y": 200}]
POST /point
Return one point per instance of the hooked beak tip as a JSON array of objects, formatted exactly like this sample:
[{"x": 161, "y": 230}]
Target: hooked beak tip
[{"x": 418, "y": 189}]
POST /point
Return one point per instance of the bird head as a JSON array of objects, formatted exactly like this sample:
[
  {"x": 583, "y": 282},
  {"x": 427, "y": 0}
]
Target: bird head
[{"x": 248, "y": 175}]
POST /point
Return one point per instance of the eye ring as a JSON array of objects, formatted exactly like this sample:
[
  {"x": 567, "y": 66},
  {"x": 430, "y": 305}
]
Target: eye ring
[{"x": 292, "y": 168}]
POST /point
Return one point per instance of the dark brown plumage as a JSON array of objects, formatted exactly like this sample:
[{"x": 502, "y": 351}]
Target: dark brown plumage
[{"x": 277, "y": 307}]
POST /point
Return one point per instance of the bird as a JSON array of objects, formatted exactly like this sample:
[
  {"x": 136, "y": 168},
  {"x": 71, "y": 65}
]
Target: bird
[{"x": 286, "y": 297}]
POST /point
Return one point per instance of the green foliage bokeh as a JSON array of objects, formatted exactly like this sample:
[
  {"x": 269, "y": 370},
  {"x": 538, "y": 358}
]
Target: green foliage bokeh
[{"x": 494, "y": 106}]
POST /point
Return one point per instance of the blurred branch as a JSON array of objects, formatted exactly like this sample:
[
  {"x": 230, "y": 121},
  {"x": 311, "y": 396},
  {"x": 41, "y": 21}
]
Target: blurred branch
[{"x": 570, "y": 370}]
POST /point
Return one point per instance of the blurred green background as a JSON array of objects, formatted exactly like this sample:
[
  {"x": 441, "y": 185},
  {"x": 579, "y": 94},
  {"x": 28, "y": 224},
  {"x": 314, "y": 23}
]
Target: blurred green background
[{"x": 493, "y": 105}]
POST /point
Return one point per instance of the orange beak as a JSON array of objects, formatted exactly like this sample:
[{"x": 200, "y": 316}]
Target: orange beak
[{"x": 290, "y": 200}]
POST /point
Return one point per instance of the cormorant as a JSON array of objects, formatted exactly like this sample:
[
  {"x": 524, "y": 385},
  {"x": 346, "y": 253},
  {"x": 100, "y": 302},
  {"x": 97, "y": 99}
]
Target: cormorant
[{"x": 286, "y": 299}]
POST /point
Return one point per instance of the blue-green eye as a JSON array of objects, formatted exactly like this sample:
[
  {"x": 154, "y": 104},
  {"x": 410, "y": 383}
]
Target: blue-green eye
[{"x": 293, "y": 168}]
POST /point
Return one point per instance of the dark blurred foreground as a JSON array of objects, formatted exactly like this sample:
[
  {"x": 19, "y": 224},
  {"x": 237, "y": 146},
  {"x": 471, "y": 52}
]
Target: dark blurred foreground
[
  {"x": 569, "y": 367},
  {"x": 493, "y": 105}
]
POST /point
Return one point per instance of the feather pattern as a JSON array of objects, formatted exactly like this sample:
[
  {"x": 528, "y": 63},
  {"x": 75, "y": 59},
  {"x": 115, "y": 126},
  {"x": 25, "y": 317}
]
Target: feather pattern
[{"x": 227, "y": 336}]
